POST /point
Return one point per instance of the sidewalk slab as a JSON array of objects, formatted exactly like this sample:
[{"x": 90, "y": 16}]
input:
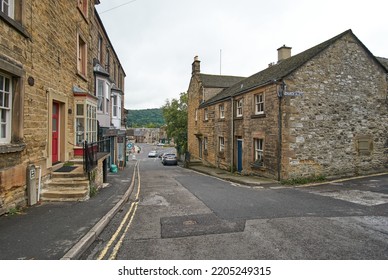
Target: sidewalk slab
[
  {"x": 49, "y": 230},
  {"x": 253, "y": 181}
]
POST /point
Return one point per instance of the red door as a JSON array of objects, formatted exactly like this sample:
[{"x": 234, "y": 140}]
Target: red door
[{"x": 55, "y": 133}]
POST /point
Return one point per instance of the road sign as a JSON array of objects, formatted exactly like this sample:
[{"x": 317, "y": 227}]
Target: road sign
[{"x": 293, "y": 93}]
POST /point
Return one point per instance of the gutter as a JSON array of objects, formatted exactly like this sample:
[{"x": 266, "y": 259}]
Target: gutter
[{"x": 281, "y": 91}]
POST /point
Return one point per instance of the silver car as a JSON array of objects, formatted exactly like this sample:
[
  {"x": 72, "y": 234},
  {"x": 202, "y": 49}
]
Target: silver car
[{"x": 169, "y": 159}]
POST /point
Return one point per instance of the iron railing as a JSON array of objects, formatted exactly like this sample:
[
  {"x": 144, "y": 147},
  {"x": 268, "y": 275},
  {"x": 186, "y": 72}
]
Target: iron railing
[{"x": 91, "y": 150}]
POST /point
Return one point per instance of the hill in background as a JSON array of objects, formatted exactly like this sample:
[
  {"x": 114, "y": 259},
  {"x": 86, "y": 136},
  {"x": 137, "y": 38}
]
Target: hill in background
[{"x": 149, "y": 118}]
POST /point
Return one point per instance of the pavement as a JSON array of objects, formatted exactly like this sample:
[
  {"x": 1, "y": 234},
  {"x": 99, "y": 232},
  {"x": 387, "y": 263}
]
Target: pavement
[
  {"x": 64, "y": 230},
  {"x": 253, "y": 181}
]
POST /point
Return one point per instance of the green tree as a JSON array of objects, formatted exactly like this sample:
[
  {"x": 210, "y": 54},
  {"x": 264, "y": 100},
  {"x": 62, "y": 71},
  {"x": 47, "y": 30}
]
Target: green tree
[{"x": 175, "y": 116}]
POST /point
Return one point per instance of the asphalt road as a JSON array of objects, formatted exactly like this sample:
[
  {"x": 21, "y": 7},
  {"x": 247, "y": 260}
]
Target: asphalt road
[{"x": 181, "y": 214}]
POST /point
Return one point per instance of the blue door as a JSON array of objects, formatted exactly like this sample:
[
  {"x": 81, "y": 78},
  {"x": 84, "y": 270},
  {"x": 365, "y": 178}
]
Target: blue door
[{"x": 239, "y": 155}]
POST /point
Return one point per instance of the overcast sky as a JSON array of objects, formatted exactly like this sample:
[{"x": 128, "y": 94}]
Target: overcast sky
[{"x": 156, "y": 40}]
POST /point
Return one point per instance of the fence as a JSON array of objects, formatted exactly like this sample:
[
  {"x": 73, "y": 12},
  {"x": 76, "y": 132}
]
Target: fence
[{"x": 91, "y": 150}]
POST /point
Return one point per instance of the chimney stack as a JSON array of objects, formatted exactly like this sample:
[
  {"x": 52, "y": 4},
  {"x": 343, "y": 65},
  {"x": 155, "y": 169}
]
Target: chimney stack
[
  {"x": 196, "y": 66},
  {"x": 284, "y": 53}
]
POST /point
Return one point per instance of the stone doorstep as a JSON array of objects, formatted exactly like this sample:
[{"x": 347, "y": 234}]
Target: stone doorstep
[
  {"x": 66, "y": 186},
  {"x": 58, "y": 175},
  {"x": 67, "y": 182},
  {"x": 57, "y": 196}
]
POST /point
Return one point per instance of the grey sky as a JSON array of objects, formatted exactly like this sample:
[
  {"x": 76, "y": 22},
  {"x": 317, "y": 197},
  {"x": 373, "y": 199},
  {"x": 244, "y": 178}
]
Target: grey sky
[{"x": 156, "y": 40}]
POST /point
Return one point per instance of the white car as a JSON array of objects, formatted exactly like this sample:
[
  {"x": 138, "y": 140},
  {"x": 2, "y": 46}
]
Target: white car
[
  {"x": 153, "y": 154},
  {"x": 160, "y": 144}
]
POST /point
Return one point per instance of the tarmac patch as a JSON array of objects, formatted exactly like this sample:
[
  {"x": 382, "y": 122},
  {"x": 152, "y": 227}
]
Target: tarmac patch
[
  {"x": 195, "y": 225},
  {"x": 154, "y": 199},
  {"x": 365, "y": 198}
]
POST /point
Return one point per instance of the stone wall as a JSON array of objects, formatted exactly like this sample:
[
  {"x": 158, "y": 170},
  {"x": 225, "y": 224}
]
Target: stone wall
[
  {"x": 264, "y": 127},
  {"x": 193, "y": 125},
  {"x": 47, "y": 55},
  {"x": 337, "y": 127},
  {"x": 343, "y": 106}
]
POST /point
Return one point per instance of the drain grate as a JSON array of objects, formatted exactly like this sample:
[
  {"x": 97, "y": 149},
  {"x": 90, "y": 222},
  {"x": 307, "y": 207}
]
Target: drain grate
[{"x": 194, "y": 225}]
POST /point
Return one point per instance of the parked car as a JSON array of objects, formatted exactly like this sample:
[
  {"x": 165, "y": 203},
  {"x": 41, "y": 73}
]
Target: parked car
[
  {"x": 169, "y": 159},
  {"x": 153, "y": 154},
  {"x": 160, "y": 144}
]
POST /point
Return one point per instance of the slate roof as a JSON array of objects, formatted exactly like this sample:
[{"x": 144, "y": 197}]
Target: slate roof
[
  {"x": 383, "y": 61},
  {"x": 277, "y": 71},
  {"x": 218, "y": 81}
]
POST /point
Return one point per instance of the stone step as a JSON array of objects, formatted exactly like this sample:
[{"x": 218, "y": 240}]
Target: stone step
[
  {"x": 67, "y": 182},
  {"x": 59, "y": 175},
  {"x": 66, "y": 188},
  {"x": 64, "y": 195},
  {"x": 195, "y": 162}
]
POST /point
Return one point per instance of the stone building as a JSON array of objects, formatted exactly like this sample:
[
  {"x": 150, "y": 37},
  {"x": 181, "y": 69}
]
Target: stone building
[
  {"x": 48, "y": 101},
  {"x": 320, "y": 112}
]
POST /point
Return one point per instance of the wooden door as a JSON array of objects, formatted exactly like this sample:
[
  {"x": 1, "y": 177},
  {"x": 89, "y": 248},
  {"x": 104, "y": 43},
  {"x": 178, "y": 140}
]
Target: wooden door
[{"x": 55, "y": 132}]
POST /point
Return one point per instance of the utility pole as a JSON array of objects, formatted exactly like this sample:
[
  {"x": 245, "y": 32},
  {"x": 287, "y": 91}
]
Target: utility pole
[{"x": 220, "y": 61}]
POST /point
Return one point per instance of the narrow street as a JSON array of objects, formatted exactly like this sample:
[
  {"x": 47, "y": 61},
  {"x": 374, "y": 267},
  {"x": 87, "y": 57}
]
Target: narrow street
[{"x": 176, "y": 213}]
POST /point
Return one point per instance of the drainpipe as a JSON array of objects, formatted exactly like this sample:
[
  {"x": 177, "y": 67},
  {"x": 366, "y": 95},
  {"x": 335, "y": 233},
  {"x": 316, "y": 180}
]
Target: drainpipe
[
  {"x": 281, "y": 91},
  {"x": 232, "y": 135}
]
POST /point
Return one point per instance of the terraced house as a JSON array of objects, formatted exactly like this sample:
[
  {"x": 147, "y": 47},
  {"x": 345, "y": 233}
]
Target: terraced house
[
  {"x": 53, "y": 55},
  {"x": 320, "y": 112}
]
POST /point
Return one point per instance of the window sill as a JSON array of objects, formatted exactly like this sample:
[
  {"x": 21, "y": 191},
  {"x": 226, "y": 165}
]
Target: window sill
[
  {"x": 15, "y": 24},
  {"x": 257, "y": 165},
  {"x": 79, "y": 74},
  {"x": 12, "y": 148},
  {"x": 258, "y": 116},
  {"x": 221, "y": 120},
  {"x": 238, "y": 118},
  {"x": 221, "y": 155}
]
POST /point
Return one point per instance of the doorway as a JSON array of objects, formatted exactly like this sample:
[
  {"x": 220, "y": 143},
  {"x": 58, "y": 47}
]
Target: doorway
[
  {"x": 55, "y": 133},
  {"x": 239, "y": 155},
  {"x": 200, "y": 147}
]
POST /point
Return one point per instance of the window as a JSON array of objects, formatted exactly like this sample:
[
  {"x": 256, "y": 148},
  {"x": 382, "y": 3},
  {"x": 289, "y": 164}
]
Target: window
[
  {"x": 258, "y": 151},
  {"x": 196, "y": 114},
  {"x": 259, "y": 104},
  {"x": 83, "y": 7},
  {"x": 222, "y": 111},
  {"x": 115, "y": 105},
  {"x": 206, "y": 115},
  {"x": 86, "y": 123},
  {"x": 221, "y": 144},
  {"x": 107, "y": 60},
  {"x": 5, "y": 108},
  {"x": 100, "y": 95},
  {"x": 7, "y": 7},
  {"x": 239, "y": 108},
  {"x": 99, "y": 49},
  {"x": 81, "y": 56},
  {"x": 205, "y": 141},
  {"x": 80, "y": 124},
  {"x": 91, "y": 128}
]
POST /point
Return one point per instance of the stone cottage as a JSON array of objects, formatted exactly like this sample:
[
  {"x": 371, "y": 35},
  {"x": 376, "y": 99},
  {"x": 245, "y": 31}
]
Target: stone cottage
[
  {"x": 48, "y": 86},
  {"x": 320, "y": 112}
]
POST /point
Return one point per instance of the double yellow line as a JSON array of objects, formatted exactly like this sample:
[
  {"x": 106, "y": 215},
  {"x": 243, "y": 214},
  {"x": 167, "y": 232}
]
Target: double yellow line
[{"x": 129, "y": 215}]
